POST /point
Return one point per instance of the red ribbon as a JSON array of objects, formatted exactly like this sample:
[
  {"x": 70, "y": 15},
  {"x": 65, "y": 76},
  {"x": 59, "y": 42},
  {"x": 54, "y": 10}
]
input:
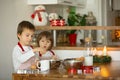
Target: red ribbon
[
  {"x": 38, "y": 13},
  {"x": 22, "y": 47}
]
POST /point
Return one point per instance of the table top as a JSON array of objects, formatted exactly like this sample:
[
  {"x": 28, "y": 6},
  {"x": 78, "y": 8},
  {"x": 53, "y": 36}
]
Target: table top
[{"x": 107, "y": 71}]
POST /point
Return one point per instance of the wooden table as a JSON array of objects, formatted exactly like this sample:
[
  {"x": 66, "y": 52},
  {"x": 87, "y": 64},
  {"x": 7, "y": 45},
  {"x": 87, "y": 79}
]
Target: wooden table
[{"x": 107, "y": 72}]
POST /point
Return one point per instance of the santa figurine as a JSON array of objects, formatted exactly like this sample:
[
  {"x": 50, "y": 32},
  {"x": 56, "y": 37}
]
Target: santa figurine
[
  {"x": 40, "y": 16},
  {"x": 53, "y": 16},
  {"x": 53, "y": 19}
]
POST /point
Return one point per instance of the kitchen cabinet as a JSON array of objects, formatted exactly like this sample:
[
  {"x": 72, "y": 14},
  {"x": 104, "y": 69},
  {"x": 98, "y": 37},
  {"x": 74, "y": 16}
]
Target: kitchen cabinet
[
  {"x": 78, "y": 3},
  {"x": 64, "y": 46},
  {"x": 116, "y": 4}
]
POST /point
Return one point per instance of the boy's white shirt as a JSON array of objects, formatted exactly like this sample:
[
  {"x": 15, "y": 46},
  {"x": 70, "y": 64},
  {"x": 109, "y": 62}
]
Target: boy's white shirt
[{"x": 19, "y": 57}]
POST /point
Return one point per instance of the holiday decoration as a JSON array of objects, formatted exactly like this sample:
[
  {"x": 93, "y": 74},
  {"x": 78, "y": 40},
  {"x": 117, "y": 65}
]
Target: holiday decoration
[
  {"x": 55, "y": 21},
  {"x": 40, "y": 16},
  {"x": 53, "y": 16},
  {"x": 102, "y": 59}
]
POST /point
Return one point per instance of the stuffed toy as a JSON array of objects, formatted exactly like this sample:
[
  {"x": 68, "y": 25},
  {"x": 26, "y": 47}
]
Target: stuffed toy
[
  {"x": 53, "y": 16},
  {"x": 53, "y": 19},
  {"x": 40, "y": 16}
]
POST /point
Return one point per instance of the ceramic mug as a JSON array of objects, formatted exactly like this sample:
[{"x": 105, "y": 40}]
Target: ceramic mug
[
  {"x": 43, "y": 65},
  {"x": 88, "y": 61}
]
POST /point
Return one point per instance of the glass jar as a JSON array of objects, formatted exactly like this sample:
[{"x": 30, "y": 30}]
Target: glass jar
[{"x": 91, "y": 21}]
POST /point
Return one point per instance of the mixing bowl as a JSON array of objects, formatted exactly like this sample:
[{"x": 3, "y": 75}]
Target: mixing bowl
[
  {"x": 54, "y": 64},
  {"x": 72, "y": 63}
]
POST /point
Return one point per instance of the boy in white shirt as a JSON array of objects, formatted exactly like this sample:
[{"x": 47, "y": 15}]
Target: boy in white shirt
[{"x": 23, "y": 53}]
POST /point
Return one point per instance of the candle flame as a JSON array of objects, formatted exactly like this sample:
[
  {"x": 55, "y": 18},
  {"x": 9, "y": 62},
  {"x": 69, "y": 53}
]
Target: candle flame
[
  {"x": 104, "y": 51},
  {"x": 94, "y": 51}
]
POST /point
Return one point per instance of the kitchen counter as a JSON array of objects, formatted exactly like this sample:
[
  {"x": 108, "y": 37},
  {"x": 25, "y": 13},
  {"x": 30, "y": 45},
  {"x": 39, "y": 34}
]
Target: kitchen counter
[{"x": 107, "y": 72}]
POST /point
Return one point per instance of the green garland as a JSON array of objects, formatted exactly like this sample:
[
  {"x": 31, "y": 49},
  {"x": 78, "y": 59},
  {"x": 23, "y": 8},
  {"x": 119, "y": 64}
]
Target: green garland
[{"x": 101, "y": 59}]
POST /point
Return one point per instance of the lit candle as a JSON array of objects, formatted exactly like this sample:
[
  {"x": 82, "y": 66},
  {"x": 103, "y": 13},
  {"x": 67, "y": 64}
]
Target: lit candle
[
  {"x": 104, "y": 51},
  {"x": 94, "y": 51}
]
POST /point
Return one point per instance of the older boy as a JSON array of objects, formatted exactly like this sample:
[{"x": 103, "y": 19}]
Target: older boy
[{"x": 23, "y": 54}]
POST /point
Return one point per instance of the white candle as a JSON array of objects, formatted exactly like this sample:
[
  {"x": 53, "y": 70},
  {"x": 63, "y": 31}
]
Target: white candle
[{"x": 104, "y": 51}]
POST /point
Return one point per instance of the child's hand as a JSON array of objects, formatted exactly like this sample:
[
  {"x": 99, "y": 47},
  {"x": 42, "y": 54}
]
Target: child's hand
[
  {"x": 54, "y": 57},
  {"x": 38, "y": 49}
]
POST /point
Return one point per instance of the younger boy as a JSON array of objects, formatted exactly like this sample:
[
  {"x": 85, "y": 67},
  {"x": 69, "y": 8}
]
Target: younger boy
[{"x": 45, "y": 42}]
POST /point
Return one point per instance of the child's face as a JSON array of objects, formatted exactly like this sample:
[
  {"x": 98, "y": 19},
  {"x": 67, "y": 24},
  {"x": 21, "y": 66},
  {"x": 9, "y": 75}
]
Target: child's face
[
  {"x": 26, "y": 37},
  {"x": 44, "y": 43}
]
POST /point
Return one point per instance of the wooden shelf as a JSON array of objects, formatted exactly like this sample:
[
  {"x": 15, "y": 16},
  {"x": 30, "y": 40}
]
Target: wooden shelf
[
  {"x": 82, "y": 48},
  {"x": 78, "y": 28},
  {"x": 65, "y": 46},
  {"x": 79, "y": 47}
]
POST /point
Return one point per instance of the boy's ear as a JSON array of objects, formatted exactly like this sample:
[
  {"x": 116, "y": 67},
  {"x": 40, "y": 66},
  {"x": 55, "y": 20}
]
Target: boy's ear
[{"x": 18, "y": 35}]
